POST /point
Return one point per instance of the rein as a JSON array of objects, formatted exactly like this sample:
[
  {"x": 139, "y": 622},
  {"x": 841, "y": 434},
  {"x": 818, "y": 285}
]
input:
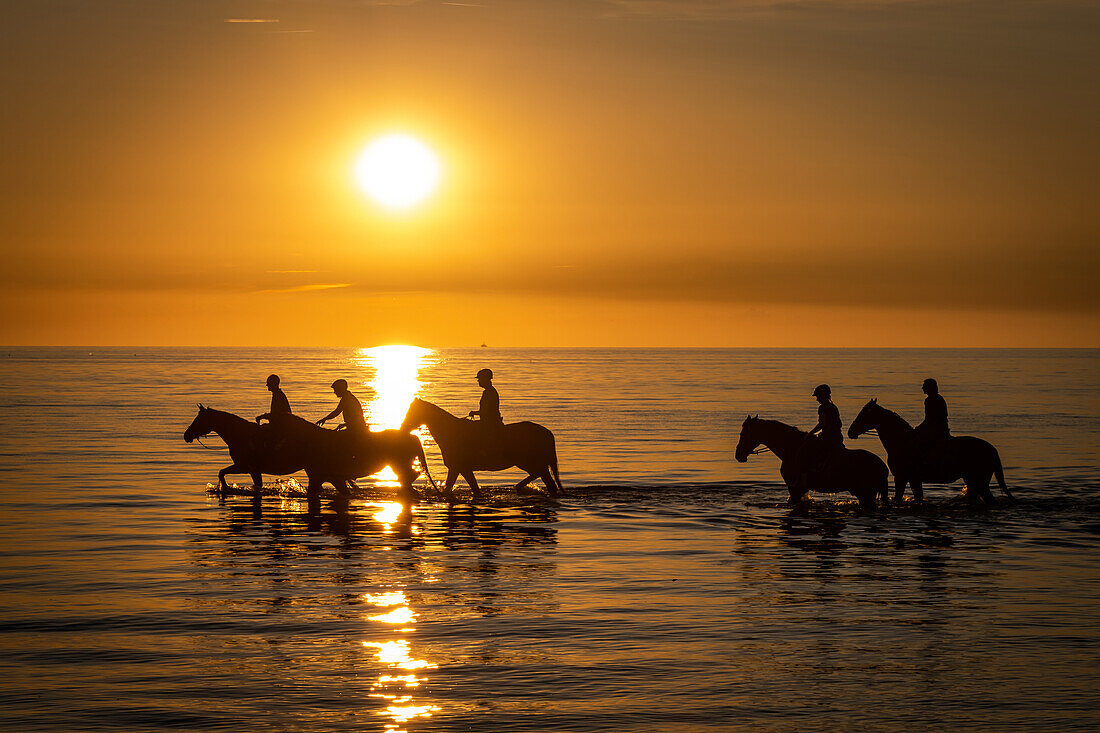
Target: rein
[{"x": 198, "y": 439}]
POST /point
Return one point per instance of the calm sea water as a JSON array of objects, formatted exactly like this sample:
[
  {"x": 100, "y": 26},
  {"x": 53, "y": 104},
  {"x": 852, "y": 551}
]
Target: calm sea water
[{"x": 671, "y": 590}]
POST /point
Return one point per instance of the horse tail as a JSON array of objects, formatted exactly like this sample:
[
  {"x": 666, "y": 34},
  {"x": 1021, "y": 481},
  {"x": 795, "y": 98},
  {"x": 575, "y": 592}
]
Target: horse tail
[
  {"x": 999, "y": 472},
  {"x": 424, "y": 462},
  {"x": 554, "y": 465}
]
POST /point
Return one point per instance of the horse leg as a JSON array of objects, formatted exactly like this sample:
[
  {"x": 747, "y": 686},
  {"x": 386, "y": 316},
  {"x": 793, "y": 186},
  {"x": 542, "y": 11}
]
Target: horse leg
[
  {"x": 452, "y": 476},
  {"x": 341, "y": 500},
  {"x": 795, "y": 492},
  {"x": 472, "y": 481},
  {"x": 257, "y": 481},
  {"x": 521, "y": 487},
  {"x": 971, "y": 492},
  {"x": 984, "y": 492},
  {"x": 407, "y": 475},
  {"x": 313, "y": 496},
  {"x": 548, "y": 480},
  {"x": 918, "y": 490},
  {"x": 222, "y": 485}
]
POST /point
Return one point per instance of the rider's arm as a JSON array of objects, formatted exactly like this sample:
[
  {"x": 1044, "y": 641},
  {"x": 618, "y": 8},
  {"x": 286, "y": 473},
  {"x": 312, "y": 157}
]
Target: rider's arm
[
  {"x": 816, "y": 428},
  {"x": 265, "y": 416},
  {"x": 334, "y": 413}
]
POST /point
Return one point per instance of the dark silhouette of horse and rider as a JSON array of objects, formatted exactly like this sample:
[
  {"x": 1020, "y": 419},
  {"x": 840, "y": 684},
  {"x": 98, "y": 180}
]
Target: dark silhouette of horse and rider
[
  {"x": 818, "y": 460},
  {"x": 279, "y": 443}
]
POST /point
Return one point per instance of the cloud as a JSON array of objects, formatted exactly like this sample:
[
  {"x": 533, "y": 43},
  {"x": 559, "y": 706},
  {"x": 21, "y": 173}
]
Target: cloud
[
  {"x": 311, "y": 288},
  {"x": 719, "y": 9},
  {"x": 251, "y": 20}
]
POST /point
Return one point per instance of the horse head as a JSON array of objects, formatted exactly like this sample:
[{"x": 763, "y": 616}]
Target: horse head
[
  {"x": 414, "y": 416},
  {"x": 749, "y": 439},
  {"x": 200, "y": 426},
  {"x": 867, "y": 419}
]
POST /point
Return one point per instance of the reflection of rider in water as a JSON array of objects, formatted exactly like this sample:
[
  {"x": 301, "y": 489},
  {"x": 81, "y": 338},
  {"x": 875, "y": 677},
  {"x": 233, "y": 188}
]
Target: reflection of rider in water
[
  {"x": 349, "y": 407},
  {"x": 815, "y": 454},
  {"x": 934, "y": 430},
  {"x": 489, "y": 408},
  {"x": 280, "y": 405}
]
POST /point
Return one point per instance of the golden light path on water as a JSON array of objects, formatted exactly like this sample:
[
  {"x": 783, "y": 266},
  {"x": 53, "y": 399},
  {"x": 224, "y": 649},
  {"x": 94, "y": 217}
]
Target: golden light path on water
[
  {"x": 395, "y": 383},
  {"x": 395, "y": 687}
]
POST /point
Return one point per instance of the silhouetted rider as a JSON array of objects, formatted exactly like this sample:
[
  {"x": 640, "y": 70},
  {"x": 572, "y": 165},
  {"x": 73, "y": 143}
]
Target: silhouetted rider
[
  {"x": 815, "y": 454},
  {"x": 934, "y": 428},
  {"x": 280, "y": 405},
  {"x": 349, "y": 407},
  {"x": 934, "y": 431},
  {"x": 828, "y": 418},
  {"x": 489, "y": 408}
]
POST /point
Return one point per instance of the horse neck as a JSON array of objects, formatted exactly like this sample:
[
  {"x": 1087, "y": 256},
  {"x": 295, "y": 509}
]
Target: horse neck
[
  {"x": 229, "y": 426},
  {"x": 892, "y": 428},
  {"x": 441, "y": 424},
  {"x": 783, "y": 440}
]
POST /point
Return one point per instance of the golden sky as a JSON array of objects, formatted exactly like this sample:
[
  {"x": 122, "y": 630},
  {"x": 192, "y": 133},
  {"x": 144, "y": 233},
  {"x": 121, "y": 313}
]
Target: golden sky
[{"x": 631, "y": 172}]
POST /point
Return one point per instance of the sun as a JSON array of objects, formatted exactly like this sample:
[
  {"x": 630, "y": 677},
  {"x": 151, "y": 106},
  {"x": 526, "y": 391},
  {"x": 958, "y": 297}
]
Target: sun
[{"x": 397, "y": 171}]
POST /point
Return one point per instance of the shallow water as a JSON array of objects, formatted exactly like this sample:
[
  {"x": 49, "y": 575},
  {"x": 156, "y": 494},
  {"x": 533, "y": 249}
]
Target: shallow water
[{"x": 670, "y": 590}]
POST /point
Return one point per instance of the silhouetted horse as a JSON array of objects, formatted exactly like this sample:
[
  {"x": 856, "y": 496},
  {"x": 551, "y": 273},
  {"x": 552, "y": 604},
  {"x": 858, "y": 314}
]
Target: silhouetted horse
[
  {"x": 858, "y": 471},
  {"x": 327, "y": 456},
  {"x": 972, "y": 459},
  {"x": 526, "y": 445}
]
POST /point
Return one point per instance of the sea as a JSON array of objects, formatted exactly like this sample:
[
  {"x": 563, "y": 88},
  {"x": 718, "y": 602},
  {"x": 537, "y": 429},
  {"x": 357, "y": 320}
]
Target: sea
[{"x": 670, "y": 589}]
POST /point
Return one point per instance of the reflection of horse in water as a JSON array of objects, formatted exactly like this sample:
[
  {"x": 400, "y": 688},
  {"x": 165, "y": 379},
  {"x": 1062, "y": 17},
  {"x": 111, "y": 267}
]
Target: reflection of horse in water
[
  {"x": 858, "y": 471},
  {"x": 468, "y": 446},
  {"x": 292, "y": 444},
  {"x": 972, "y": 459}
]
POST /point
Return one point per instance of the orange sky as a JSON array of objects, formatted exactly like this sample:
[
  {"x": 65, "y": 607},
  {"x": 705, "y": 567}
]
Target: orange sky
[{"x": 615, "y": 173}]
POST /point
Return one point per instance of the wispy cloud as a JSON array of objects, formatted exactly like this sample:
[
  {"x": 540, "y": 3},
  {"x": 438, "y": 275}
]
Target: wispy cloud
[
  {"x": 311, "y": 288},
  {"x": 717, "y": 9},
  {"x": 291, "y": 272}
]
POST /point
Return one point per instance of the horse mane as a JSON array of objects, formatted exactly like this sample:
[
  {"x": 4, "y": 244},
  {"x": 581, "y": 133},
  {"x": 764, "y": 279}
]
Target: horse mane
[
  {"x": 437, "y": 408},
  {"x": 894, "y": 417},
  {"x": 229, "y": 415},
  {"x": 783, "y": 426}
]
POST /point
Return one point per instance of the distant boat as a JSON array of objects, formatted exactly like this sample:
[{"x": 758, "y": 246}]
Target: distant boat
[{"x": 483, "y": 346}]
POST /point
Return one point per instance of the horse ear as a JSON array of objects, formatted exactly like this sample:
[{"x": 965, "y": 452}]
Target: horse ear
[
  {"x": 201, "y": 407},
  {"x": 874, "y": 400}
]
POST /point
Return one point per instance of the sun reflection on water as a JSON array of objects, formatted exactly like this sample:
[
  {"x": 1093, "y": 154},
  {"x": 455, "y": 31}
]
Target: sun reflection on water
[
  {"x": 397, "y": 655},
  {"x": 388, "y": 512},
  {"x": 396, "y": 382}
]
